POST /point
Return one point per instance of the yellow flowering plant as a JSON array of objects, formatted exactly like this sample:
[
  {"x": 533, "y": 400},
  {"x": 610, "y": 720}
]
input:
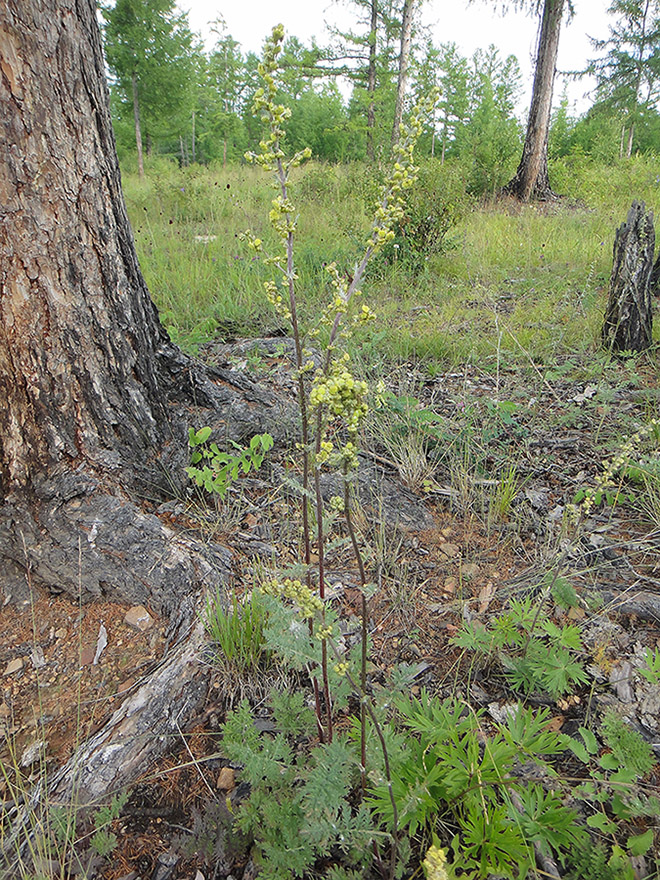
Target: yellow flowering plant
[{"x": 333, "y": 403}]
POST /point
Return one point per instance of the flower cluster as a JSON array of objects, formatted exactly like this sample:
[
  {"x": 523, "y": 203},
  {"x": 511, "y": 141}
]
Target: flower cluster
[
  {"x": 324, "y": 632},
  {"x": 402, "y": 177},
  {"x": 308, "y": 603},
  {"x": 343, "y": 395},
  {"x": 435, "y": 864},
  {"x": 325, "y": 451},
  {"x": 265, "y": 105},
  {"x": 611, "y": 468}
]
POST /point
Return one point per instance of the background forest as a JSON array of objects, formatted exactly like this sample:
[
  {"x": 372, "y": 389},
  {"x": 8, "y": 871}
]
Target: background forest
[{"x": 195, "y": 105}]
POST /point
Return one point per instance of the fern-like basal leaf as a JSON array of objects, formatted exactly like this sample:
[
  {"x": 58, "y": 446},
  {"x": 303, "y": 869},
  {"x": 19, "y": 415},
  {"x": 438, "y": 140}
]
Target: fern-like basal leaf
[
  {"x": 560, "y": 672},
  {"x": 520, "y": 673},
  {"x": 492, "y": 844},
  {"x": 326, "y": 787},
  {"x": 282, "y": 850},
  {"x": 627, "y": 745},
  {"x": 528, "y": 731},
  {"x": 475, "y": 638},
  {"x": 506, "y": 632},
  {"x": 288, "y": 636},
  {"x": 290, "y": 713},
  {"x": 239, "y": 729},
  {"x": 565, "y": 636}
]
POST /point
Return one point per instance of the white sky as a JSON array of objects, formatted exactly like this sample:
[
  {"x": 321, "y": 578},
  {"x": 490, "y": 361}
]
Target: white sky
[{"x": 471, "y": 27}]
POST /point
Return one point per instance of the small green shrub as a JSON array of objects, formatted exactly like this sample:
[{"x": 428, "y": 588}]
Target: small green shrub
[
  {"x": 434, "y": 208},
  {"x": 449, "y": 771},
  {"x": 220, "y": 469},
  {"x": 611, "y": 793}
]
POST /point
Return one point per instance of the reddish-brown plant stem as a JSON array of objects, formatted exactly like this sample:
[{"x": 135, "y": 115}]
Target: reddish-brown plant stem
[
  {"x": 365, "y": 629},
  {"x": 302, "y": 404}
]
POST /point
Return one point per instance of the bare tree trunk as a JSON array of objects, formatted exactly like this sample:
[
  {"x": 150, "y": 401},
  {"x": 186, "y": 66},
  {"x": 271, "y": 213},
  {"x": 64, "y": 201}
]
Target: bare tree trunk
[
  {"x": 628, "y": 324},
  {"x": 630, "y": 140},
  {"x": 95, "y": 399},
  {"x": 371, "y": 82},
  {"x": 404, "y": 59},
  {"x": 138, "y": 132},
  {"x": 531, "y": 179}
]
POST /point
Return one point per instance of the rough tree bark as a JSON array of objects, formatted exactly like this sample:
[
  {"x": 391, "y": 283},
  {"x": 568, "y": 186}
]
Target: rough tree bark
[
  {"x": 531, "y": 179},
  {"x": 404, "y": 58},
  {"x": 628, "y": 324},
  {"x": 95, "y": 398}
]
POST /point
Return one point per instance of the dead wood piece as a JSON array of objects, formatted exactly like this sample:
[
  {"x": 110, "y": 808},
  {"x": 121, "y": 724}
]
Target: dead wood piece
[
  {"x": 133, "y": 739},
  {"x": 628, "y": 324},
  {"x": 641, "y": 603}
]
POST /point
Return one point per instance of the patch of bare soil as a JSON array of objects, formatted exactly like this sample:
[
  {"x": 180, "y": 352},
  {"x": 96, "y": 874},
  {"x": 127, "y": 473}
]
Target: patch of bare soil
[{"x": 56, "y": 690}]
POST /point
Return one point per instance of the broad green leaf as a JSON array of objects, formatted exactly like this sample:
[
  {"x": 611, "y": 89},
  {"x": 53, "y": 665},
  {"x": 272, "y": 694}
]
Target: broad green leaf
[
  {"x": 590, "y": 740},
  {"x": 203, "y": 435},
  {"x": 602, "y": 823},
  {"x": 639, "y": 844}
]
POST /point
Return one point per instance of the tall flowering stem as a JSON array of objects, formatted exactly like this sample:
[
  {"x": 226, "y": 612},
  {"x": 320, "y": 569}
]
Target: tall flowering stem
[{"x": 336, "y": 403}]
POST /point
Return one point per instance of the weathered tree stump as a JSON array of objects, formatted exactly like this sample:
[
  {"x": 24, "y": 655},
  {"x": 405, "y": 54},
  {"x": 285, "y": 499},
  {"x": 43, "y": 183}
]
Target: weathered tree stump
[{"x": 628, "y": 321}]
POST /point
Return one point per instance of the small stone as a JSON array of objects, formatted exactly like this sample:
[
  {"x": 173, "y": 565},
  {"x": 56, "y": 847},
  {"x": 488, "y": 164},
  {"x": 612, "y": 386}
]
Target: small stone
[
  {"x": 14, "y": 665},
  {"x": 139, "y": 618},
  {"x": 37, "y": 657},
  {"x": 470, "y": 570},
  {"x": 226, "y": 779},
  {"x": 61, "y": 633},
  {"x": 620, "y": 680},
  {"x": 86, "y": 655},
  {"x": 449, "y": 550},
  {"x": 450, "y": 584}
]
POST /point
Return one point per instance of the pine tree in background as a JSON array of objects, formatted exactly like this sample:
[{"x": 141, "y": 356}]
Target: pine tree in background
[{"x": 149, "y": 52}]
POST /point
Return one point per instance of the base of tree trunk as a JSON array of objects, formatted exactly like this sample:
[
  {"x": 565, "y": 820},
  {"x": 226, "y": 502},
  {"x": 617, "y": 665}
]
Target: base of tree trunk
[
  {"x": 81, "y": 532},
  {"x": 628, "y": 324},
  {"x": 541, "y": 191}
]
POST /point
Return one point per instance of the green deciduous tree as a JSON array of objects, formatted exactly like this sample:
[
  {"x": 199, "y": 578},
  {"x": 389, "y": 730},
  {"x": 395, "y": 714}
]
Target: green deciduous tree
[
  {"x": 149, "y": 51},
  {"x": 490, "y": 136}
]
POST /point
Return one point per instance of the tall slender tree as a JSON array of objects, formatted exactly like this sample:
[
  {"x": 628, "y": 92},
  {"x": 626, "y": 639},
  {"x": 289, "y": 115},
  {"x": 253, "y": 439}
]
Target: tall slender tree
[
  {"x": 148, "y": 47},
  {"x": 628, "y": 74},
  {"x": 531, "y": 179},
  {"x": 404, "y": 60}
]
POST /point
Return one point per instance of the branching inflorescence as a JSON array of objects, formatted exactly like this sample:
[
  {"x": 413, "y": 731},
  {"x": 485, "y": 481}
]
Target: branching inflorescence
[{"x": 332, "y": 401}]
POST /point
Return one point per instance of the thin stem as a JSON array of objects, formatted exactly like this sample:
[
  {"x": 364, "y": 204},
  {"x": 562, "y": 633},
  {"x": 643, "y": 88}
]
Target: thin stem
[
  {"x": 302, "y": 405},
  {"x": 365, "y": 629},
  {"x": 366, "y": 703}
]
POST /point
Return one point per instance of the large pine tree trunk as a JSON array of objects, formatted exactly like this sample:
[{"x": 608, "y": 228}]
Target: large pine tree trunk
[
  {"x": 90, "y": 384},
  {"x": 95, "y": 398},
  {"x": 531, "y": 179},
  {"x": 628, "y": 324}
]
